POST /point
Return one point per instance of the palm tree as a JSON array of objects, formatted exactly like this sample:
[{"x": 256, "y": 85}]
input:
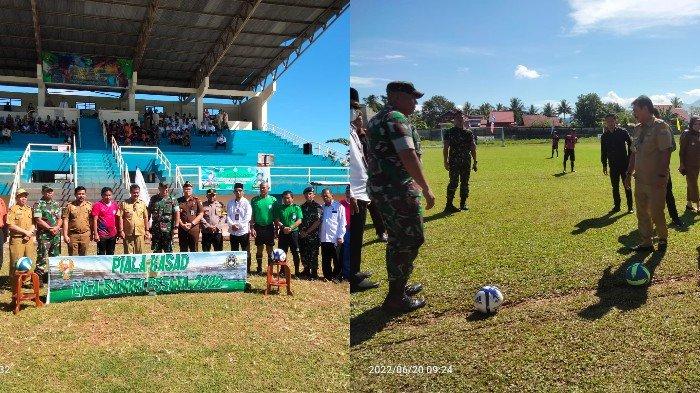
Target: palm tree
[
  {"x": 485, "y": 109},
  {"x": 518, "y": 108},
  {"x": 533, "y": 110},
  {"x": 676, "y": 102},
  {"x": 500, "y": 107},
  {"x": 467, "y": 108},
  {"x": 373, "y": 103},
  {"x": 564, "y": 108},
  {"x": 548, "y": 109}
]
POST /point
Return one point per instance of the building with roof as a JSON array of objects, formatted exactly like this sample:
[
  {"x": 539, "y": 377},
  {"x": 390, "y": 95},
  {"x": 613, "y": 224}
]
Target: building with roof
[
  {"x": 540, "y": 121},
  {"x": 502, "y": 118}
]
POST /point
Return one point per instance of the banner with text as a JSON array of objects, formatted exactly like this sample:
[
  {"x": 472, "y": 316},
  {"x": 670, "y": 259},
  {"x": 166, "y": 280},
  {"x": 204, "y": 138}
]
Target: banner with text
[
  {"x": 103, "y": 276},
  {"x": 222, "y": 178}
]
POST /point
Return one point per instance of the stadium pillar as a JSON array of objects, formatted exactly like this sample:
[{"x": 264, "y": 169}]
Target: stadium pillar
[
  {"x": 199, "y": 99},
  {"x": 132, "y": 91},
  {"x": 41, "y": 98},
  {"x": 255, "y": 109}
]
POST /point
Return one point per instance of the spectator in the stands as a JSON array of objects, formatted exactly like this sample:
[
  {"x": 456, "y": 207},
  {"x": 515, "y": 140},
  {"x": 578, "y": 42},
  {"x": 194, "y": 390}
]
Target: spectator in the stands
[
  {"x": 7, "y": 107},
  {"x": 186, "y": 139},
  {"x": 6, "y": 134},
  {"x": 220, "y": 141},
  {"x": 10, "y": 122}
]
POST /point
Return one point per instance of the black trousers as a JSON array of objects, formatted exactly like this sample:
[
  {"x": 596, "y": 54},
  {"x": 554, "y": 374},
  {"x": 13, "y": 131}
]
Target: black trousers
[
  {"x": 377, "y": 219},
  {"x": 616, "y": 176},
  {"x": 329, "y": 253},
  {"x": 290, "y": 242},
  {"x": 569, "y": 153},
  {"x": 241, "y": 243},
  {"x": 459, "y": 173},
  {"x": 357, "y": 224},
  {"x": 671, "y": 201},
  {"x": 212, "y": 239},
  {"x": 106, "y": 246}
]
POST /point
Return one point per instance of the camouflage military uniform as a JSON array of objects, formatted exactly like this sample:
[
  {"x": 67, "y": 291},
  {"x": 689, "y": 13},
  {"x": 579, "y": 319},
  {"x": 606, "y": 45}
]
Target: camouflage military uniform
[
  {"x": 459, "y": 160},
  {"x": 394, "y": 191},
  {"x": 162, "y": 211},
  {"x": 48, "y": 245},
  {"x": 309, "y": 244}
]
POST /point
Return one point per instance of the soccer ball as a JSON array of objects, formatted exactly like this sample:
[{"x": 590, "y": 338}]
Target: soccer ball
[
  {"x": 278, "y": 255},
  {"x": 488, "y": 299},
  {"x": 24, "y": 264},
  {"x": 637, "y": 274}
]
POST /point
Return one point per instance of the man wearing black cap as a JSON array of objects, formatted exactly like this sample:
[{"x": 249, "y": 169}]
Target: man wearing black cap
[
  {"x": 359, "y": 199},
  {"x": 458, "y": 150},
  {"x": 191, "y": 213},
  {"x": 309, "y": 241},
  {"x": 212, "y": 222},
  {"x": 395, "y": 184},
  {"x": 165, "y": 213},
  {"x": 614, "y": 148},
  {"x": 48, "y": 221},
  {"x": 238, "y": 217}
]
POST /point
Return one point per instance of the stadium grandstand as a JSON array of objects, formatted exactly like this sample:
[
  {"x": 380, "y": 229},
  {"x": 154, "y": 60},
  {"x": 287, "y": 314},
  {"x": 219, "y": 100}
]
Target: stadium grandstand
[{"x": 191, "y": 50}]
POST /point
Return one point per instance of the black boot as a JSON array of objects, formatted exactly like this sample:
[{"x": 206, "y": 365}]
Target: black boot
[{"x": 397, "y": 300}]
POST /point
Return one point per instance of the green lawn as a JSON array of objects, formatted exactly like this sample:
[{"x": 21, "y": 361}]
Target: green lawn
[
  {"x": 195, "y": 342},
  {"x": 569, "y": 321}
]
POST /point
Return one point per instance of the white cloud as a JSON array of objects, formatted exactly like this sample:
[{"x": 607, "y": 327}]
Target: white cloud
[
  {"x": 613, "y": 97},
  {"x": 360, "y": 81},
  {"x": 693, "y": 93},
  {"x": 689, "y": 76},
  {"x": 394, "y": 57},
  {"x": 463, "y": 69},
  {"x": 523, "y": 72},
  {"x": 575, "y": 76},
  {"x": 657, "y": 99},
  {"x": 354, "y": 63},
  {"x": 627, "y": 16}
]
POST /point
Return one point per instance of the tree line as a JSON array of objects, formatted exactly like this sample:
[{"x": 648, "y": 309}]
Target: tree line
[{"x": 588, "y": 110}]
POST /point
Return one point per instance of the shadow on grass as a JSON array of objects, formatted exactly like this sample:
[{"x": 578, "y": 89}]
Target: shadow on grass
[
  {"x": 596, "y": 223},
  {"x": 614, "y": 292},
  {"x": 560, "y": 174},
  {"x": 437, "y": 216},
  {"x": 628, "y": 241},
  {"x": 364, "y": 326},
  {"x": 5, "y": 281},
  {"x": 478, "y": 316}
]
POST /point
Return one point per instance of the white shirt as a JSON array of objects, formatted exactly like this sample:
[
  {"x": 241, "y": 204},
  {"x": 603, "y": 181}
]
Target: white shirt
[
  {"x": 358, "y": 171},
  {"x": 239, "y": 213},
  {"x": 332, "y": 223}
]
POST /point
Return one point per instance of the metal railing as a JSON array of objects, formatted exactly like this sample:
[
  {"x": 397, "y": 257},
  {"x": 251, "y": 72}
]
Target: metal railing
[
  {"x": 123, "y": 167},
  {"x": 318, "y": 148},
  {"x": 153, "y": 150},
  {"x": 22, "y": 163},
  {"x": 74, "y": 168}
]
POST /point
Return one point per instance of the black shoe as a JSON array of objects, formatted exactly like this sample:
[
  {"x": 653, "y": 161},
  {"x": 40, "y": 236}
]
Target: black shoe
[
  {"x": 403, "y": 305},
  {"x": 413, "y": 289},
  {"x": 259, "y": 271},
  {"x": 630, "y": 210},
  {"x": 464, "y": 207},
  {"x": 614, "y": 209},
  {"x": 451, "y": 209},
  {"x": 662, "y": 245},
  {"x": 362, "y": 275},
  {"x": 363, "y": 286},
  {"x": 383, "y": 238},
  {"x": 677, "y": 222},
  {"x": 642, "y": 248}
]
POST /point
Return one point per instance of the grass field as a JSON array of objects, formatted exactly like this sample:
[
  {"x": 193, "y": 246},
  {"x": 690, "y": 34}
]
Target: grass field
[
  {"x": 569, "y": 323},
  {"x": 195, "y": 342}
]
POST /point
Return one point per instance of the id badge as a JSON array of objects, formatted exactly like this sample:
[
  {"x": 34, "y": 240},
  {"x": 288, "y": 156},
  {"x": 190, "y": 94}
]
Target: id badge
[
  {"x": 191, "y": 213},
  {"x": 236, "y": 217}
]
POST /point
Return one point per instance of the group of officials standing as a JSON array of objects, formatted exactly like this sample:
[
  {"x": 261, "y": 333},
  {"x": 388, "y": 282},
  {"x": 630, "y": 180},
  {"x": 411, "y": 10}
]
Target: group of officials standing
[{"x": 37, "y": 232}]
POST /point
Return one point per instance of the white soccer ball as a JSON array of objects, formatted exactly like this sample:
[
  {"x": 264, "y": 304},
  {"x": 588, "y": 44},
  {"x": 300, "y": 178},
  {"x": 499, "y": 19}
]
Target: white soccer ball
[
  {"x": 488, "y": 299},
  {"x": 278, "y": 255}
]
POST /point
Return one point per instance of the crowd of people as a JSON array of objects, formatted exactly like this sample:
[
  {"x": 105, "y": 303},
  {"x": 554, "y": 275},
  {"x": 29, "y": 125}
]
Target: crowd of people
[
  {"x": 302, "y": 230},
  {"x": 28, "y": 124}
]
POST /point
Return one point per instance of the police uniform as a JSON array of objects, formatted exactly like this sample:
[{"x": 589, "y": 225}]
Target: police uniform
[
  {"x": 395, "y": 193},
  {"x": 162, "y": 211},
  {"x": 134, "y": 215},
  {"x": 48, "y": 244},
  {"x": 190, "y": 208},
  {"x": 77, "y": 218},
  {"x": 20, "y": 216},
  {"x": 460, "y": 142},
  {"x": 212, "y": 221},
  {"x": 690, "y": 159},
  {"x": 309, "y": 244},
  {"x": 651, "y": 142}
]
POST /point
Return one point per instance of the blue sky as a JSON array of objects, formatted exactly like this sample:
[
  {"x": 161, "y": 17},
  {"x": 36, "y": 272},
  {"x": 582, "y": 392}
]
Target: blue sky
[
  {"x": 312, "y": 96},
  {"x": 536, "y": 50}
]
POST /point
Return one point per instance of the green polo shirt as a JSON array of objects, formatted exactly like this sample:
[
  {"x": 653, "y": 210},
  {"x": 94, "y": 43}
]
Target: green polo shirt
[
  {"x": 263, "y": 209},
  {"x": 288, "y": 215}
]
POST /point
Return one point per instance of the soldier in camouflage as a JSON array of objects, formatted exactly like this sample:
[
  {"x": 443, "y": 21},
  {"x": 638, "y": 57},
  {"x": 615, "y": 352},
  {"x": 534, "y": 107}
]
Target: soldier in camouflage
[
  {"x": 395, "y": 183},
  {"x": 309, "y": 241},
  {"x": 458, "y": 151},
  {"x": 47, "y": 218},
  {"x": 165, "y": 212}
]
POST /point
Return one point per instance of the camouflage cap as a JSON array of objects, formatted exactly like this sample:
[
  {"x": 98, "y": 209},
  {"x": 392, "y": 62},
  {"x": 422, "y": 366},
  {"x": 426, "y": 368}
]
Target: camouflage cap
[
  {"x": 46, "y": 188},
  {"x": 211, "y": 191},
  {"x": 403, "y": 87},
  {"x": 163, "y": 185},
  {"x": 187, "y": 185}
]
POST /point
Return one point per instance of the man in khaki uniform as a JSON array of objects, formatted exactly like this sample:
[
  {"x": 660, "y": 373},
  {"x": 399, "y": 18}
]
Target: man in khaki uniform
[
  {"x": 76, "y": 223},
  {"x": 649, "y": 162},
  {"x": 22, "y": 231},
  {"x": 132, "y": 222}
]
